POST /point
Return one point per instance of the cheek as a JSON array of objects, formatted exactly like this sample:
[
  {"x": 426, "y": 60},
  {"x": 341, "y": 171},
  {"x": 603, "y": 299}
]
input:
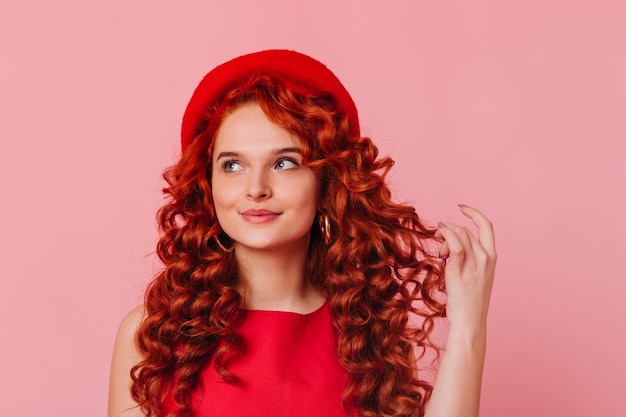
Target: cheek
[
  {"x": 316, "y": 191},
  {"x": 309, "y": 197},
  {"x": 222, "y": 205},
  {"x": 223, "y": 199}
]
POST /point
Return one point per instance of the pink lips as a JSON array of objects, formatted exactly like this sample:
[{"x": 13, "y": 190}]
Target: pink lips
[{"x": 259, "y": 216}]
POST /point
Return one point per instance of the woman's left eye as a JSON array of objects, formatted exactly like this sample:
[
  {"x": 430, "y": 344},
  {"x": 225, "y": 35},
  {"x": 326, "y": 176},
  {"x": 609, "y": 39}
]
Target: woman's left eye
[{"x": 286, "y": 163}]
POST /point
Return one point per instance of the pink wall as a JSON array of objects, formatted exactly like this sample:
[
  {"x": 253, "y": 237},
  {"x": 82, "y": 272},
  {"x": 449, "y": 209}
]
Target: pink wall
[{"x": 516, "y": 107}]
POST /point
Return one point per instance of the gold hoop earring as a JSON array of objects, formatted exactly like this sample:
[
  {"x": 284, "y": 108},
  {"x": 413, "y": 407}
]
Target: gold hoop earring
[
  {"x": 324, "y": 226},
  {"x": 222, "y": 247}
]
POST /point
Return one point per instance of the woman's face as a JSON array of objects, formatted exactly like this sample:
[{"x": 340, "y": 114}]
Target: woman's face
[{"x": 264, "y": 197}]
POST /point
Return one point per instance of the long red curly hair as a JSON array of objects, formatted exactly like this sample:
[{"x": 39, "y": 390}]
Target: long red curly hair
[{"x": 375, "y": 270}]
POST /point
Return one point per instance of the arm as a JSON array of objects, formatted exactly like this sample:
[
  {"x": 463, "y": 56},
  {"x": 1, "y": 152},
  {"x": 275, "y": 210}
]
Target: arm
[
  {"x": 469, "y": 275},
  {"x": 125, "y": 356}
]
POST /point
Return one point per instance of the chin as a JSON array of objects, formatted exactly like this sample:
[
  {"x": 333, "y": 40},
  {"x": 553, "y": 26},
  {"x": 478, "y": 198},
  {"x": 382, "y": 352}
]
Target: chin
[{"x": 274, "y": 244}]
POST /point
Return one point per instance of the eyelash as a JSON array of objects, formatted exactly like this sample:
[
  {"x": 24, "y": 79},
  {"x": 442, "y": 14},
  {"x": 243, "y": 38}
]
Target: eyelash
[
  {"x": 228, "y": 162},
  {"x": 286, "y": 158}
]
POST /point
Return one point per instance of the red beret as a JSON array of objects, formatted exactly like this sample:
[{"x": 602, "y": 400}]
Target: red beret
[{"x": 300, "y": 73}]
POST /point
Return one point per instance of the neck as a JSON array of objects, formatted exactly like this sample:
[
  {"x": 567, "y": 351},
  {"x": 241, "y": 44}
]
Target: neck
[{"x": 277, "y": 279}]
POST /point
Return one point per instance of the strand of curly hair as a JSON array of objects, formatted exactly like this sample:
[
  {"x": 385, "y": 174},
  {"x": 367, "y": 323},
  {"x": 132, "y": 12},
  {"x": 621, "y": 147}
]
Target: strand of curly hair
[{"x": 376, "y": 270}]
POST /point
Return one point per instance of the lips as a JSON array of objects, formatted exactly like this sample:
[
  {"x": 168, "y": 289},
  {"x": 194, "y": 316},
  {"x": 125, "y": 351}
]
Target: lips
[{"x": 258, "y": 216}]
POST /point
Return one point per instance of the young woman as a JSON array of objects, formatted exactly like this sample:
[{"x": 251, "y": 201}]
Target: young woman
[{"x": 289, "y": 273}]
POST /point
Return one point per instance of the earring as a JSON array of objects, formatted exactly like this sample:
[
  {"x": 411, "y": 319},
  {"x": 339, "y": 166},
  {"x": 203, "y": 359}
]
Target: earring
[
  {"x": 222, "y": 247},
  {"x": 324, "y": 226}
]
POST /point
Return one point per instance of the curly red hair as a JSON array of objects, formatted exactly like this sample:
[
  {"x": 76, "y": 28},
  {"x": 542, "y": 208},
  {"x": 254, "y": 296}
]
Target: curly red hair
[{"x": 376, "y": 269}]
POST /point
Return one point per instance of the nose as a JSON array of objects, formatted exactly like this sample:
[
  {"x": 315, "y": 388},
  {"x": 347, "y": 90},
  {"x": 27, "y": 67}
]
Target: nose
[{"x": 259, "y": 187}]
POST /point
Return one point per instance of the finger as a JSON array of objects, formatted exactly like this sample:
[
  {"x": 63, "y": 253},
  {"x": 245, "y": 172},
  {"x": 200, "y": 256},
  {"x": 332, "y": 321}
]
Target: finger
[
  {"x": 467, "y": 238},
  {"x": 444, "y": 251},
  {"x": 454, "y": 245},
  {"x": 486, "y": 235}
]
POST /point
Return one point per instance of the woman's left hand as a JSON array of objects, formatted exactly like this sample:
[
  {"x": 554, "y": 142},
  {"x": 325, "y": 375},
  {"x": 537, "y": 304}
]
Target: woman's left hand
[{"x": 469, "y": 271}]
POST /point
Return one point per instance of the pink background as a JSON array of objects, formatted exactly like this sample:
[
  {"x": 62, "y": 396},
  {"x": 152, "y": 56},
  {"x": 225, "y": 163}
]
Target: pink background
[{"x": 516, "y": 107}]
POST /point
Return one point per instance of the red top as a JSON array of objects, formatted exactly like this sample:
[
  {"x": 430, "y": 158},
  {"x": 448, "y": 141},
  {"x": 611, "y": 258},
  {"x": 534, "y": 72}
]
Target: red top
[{"x": 290, "y": 368}]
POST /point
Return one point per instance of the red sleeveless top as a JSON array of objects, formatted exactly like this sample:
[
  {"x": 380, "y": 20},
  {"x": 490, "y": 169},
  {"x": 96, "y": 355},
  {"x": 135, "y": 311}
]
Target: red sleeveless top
[{"x": 290, "y": 368}]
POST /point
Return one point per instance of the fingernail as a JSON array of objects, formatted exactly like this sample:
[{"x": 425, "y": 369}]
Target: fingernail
[
  {"x": 462, "y": 205},
  {"x": 441, "y": 224}
]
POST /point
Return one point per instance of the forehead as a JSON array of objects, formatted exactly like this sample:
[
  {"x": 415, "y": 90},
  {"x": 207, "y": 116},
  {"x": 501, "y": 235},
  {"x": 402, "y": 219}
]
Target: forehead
[{"x": 247, "y": 129}]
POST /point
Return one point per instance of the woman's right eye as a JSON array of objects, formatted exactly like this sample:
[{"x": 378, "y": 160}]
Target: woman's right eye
[{"x": 232, "y": 166}]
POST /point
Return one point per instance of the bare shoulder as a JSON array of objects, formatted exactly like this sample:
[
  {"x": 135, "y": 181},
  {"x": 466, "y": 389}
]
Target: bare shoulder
[
  {"x": 125, "y": 356},
  {"x": 130, "y": 323},
  {"x": 125, "y": 350}
]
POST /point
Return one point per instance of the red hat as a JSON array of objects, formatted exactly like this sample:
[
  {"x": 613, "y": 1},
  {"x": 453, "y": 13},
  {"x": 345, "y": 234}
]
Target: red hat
[{"x": 300, "y": 73}]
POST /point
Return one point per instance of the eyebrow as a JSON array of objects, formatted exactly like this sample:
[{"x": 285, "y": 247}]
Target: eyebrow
[{"x": 275, "y": 152}]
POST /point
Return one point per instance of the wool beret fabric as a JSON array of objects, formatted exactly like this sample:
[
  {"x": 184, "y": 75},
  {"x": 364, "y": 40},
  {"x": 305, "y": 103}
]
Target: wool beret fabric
[{"x": 300, "y": 73}]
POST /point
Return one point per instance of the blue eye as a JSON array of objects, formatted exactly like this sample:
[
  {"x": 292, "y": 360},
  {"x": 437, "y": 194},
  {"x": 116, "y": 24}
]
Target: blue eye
[
  {"x": 232, "y": 166},
  {"x": 286, "y": 163}
]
